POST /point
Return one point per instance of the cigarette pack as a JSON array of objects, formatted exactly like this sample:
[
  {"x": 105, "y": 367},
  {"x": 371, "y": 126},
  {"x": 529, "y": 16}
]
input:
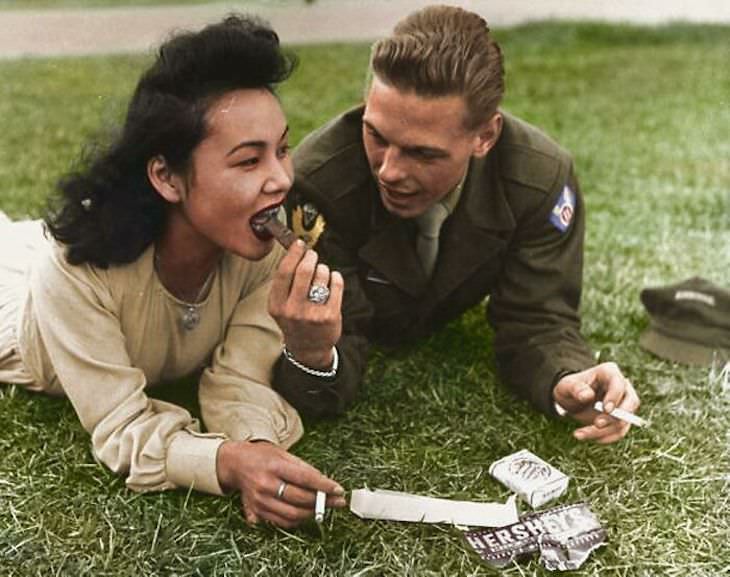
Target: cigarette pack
[{"x": 536, "y": 481}]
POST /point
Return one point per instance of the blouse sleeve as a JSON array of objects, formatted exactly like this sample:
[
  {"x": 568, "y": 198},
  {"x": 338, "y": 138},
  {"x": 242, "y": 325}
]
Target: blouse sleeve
[
  {"x": 235, "y": 391},
  {"x": 157, "y": 445}
]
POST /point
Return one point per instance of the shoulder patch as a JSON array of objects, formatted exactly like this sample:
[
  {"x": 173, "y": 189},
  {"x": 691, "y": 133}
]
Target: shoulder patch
[
  {"x": 307, "y": 223},
  {"x": 562, "y": 214}
]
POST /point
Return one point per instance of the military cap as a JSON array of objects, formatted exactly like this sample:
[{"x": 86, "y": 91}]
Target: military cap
[{"x": 689, "y": 322}]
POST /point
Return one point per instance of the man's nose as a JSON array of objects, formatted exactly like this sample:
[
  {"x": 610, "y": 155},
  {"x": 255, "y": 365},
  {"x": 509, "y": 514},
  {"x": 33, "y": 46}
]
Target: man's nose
[{"x": 391, "y": 167}]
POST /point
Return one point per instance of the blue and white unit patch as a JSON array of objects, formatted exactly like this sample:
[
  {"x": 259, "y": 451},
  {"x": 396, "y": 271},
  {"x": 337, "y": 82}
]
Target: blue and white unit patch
[{"x": 564, "y": 209}]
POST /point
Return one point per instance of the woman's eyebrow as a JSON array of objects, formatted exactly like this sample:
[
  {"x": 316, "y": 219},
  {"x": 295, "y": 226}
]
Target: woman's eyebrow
[{"x": 256, "y": 143}]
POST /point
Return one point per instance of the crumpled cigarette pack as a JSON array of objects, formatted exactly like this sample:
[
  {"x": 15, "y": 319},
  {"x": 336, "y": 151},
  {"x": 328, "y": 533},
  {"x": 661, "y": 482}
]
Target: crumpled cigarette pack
[{"x": 536, "y": 481}]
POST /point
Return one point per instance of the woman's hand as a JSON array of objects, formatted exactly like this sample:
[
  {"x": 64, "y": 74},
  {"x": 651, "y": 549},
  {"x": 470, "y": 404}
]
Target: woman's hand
[
  {"x": 577, "y": 393},
  {"x": 259, "y": 470},
  {"x": 310, "y": 329}
]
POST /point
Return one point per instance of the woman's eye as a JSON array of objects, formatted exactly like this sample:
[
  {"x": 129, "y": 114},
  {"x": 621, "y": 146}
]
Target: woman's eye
[{"x": 247, "y": 162}]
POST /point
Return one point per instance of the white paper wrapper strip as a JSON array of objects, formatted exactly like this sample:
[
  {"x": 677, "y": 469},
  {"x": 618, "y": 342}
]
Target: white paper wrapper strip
[{"x": 397, "y": 506}]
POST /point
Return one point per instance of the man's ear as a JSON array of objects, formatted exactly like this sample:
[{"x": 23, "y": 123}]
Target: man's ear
[
  {"x": 488, "y": 135},
  {"x": 167, "y": 184}
]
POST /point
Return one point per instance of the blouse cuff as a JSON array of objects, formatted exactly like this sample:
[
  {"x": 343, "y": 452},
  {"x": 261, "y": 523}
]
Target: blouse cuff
[{"x": 192, "y": 460}]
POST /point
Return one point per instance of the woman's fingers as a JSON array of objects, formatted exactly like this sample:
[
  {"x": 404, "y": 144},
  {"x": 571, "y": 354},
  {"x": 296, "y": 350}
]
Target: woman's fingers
[
  {"x": 299, "y": 473},
  {"x": 302, "y": 497},
  {"x": 321, "y": 275},
  {"x": 303, "y": 278},
  {"x": 285, "y": 274}
]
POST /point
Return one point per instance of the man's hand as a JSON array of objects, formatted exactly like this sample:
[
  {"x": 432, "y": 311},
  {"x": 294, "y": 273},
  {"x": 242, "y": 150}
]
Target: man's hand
[
  {"x": 275, "y": 485},
  {"x": 310, "y": 329},
  {"x": 577, "y": 392}
]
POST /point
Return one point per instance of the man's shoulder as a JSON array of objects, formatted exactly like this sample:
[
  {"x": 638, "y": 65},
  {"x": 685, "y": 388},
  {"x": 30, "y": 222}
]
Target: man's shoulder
[
  {"x": 529, "y": 157},
  {"x": 333, "y": 151}
]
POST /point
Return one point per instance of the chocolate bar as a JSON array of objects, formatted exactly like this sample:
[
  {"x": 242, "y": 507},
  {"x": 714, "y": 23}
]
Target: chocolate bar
[
  {"x": 280, "y": 232},
  {"x": 564, "y": 536},
  {"x": 536, "y": 481}
]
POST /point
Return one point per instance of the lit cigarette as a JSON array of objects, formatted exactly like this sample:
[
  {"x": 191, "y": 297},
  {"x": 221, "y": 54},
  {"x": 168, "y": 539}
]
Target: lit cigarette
[
  {"x": 319, "y": 506},
  {"x": 623, "y": 415}
]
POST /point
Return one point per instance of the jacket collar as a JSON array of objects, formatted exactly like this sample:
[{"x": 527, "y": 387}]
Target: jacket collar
[{"x": 468, "y": 240}]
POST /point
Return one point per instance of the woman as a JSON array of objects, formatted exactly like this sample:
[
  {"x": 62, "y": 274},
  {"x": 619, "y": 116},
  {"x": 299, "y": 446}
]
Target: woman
[{"x": 156, "y": 266}]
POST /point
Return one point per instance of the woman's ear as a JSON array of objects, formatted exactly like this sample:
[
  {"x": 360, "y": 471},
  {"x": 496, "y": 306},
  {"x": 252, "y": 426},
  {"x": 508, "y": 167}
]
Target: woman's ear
[
  {"x": 488, "y": 135},
  {"x": 167, "y": 184}
]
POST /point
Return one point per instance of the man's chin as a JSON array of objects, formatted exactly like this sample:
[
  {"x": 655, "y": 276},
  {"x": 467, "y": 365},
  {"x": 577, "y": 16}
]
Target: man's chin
[{"x": 400, "y": 210}]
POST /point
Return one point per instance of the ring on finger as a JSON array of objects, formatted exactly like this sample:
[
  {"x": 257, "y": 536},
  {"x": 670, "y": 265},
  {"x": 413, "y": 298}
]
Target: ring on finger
[
  {"x": 318, "y": 294},
  {"x": 280, "y": 490}
]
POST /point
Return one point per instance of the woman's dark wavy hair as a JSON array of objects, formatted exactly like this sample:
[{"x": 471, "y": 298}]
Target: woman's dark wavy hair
[{"x": 108, "y": 212}]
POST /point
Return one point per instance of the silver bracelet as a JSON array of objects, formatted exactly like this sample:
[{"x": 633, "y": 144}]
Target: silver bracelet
[
  {"x": 314, "y": 372},
  {"x": 559, "y": 409}
]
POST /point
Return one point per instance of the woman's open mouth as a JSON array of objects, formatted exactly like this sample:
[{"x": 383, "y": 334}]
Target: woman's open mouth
[{"x": 260, "y": 218}]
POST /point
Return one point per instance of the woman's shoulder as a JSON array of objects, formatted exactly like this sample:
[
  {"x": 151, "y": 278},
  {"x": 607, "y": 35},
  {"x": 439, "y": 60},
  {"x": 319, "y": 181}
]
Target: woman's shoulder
[{"x": 114, "y": 281}]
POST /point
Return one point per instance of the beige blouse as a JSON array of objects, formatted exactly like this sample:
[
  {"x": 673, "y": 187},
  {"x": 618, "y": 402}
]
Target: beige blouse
[{"x": 103, "y": 336}]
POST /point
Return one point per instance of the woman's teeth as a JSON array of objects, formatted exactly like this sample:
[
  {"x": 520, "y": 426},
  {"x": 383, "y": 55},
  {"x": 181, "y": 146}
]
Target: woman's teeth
[{"x": 258, "y": 221}]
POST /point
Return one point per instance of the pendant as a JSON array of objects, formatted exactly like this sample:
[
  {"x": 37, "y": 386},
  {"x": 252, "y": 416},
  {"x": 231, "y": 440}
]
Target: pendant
[{"x": 190, "y": 318}]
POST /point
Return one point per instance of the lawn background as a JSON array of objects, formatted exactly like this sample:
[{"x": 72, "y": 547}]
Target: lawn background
[{"x": 646, "y": 113}]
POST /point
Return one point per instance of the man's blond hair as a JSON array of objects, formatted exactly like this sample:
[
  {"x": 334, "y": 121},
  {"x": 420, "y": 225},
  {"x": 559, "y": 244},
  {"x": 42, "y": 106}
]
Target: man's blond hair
[{"x": 441, "y": 51}]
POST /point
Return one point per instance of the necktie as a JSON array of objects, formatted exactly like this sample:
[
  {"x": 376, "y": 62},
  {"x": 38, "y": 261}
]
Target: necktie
[{"x": 427, "y": 241}]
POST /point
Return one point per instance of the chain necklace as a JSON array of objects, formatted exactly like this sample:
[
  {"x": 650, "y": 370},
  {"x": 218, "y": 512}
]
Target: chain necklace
[{"x": 191, "y": 314}]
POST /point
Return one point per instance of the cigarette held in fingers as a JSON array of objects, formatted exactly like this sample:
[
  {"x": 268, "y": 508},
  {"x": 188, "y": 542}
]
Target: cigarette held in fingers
[
  {"x": 280, "y": 232},
  {"x": 623, "y": 415},
  {"x": 319, "y": 506}
]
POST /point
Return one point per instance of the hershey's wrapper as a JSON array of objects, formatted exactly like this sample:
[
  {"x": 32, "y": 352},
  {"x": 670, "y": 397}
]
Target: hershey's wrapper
[
  {"x": 280, "y": 232},
  {"x": 564, "y": 536},
  {"x": 536, "y": 481}
]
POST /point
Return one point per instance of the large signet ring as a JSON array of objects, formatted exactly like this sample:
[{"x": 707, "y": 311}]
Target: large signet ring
[
  {"x": 318, "y": 294},
  {"x": 280, "y": 490}
]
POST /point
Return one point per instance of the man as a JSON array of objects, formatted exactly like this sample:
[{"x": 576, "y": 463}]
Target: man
[{"x": 431, "y": 146}]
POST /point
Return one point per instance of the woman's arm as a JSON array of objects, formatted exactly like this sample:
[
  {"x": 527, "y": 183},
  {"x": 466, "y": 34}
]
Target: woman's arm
[{"x": 73, "y": 332}]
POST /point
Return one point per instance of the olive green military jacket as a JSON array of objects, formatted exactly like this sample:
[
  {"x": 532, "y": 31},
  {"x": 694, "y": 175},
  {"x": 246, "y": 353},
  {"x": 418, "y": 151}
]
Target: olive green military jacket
[{"x": 515, "y": 235}]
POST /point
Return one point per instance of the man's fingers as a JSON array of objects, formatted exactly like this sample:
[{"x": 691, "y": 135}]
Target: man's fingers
[
  {"x": 583, "y": 393},
  {"x": 631, "y": 401},
  {"x": 612, "y": 438},
  {"x": 607, "y": 434},
  {"x": 614, "y": 392}
]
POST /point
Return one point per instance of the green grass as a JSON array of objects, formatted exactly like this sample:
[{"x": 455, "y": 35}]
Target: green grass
[{"x": 646, "y": 113}]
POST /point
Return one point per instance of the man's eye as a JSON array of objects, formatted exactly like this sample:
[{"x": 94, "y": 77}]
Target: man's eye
[
  {"x": 376, "y": 137},
  {"x": 423, "y": 156},
  {"x": 284, "y": 151}
]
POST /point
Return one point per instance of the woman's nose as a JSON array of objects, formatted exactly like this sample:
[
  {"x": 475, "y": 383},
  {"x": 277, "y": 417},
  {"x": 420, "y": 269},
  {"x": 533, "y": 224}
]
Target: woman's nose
[{"x": 280, "y": 179}]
